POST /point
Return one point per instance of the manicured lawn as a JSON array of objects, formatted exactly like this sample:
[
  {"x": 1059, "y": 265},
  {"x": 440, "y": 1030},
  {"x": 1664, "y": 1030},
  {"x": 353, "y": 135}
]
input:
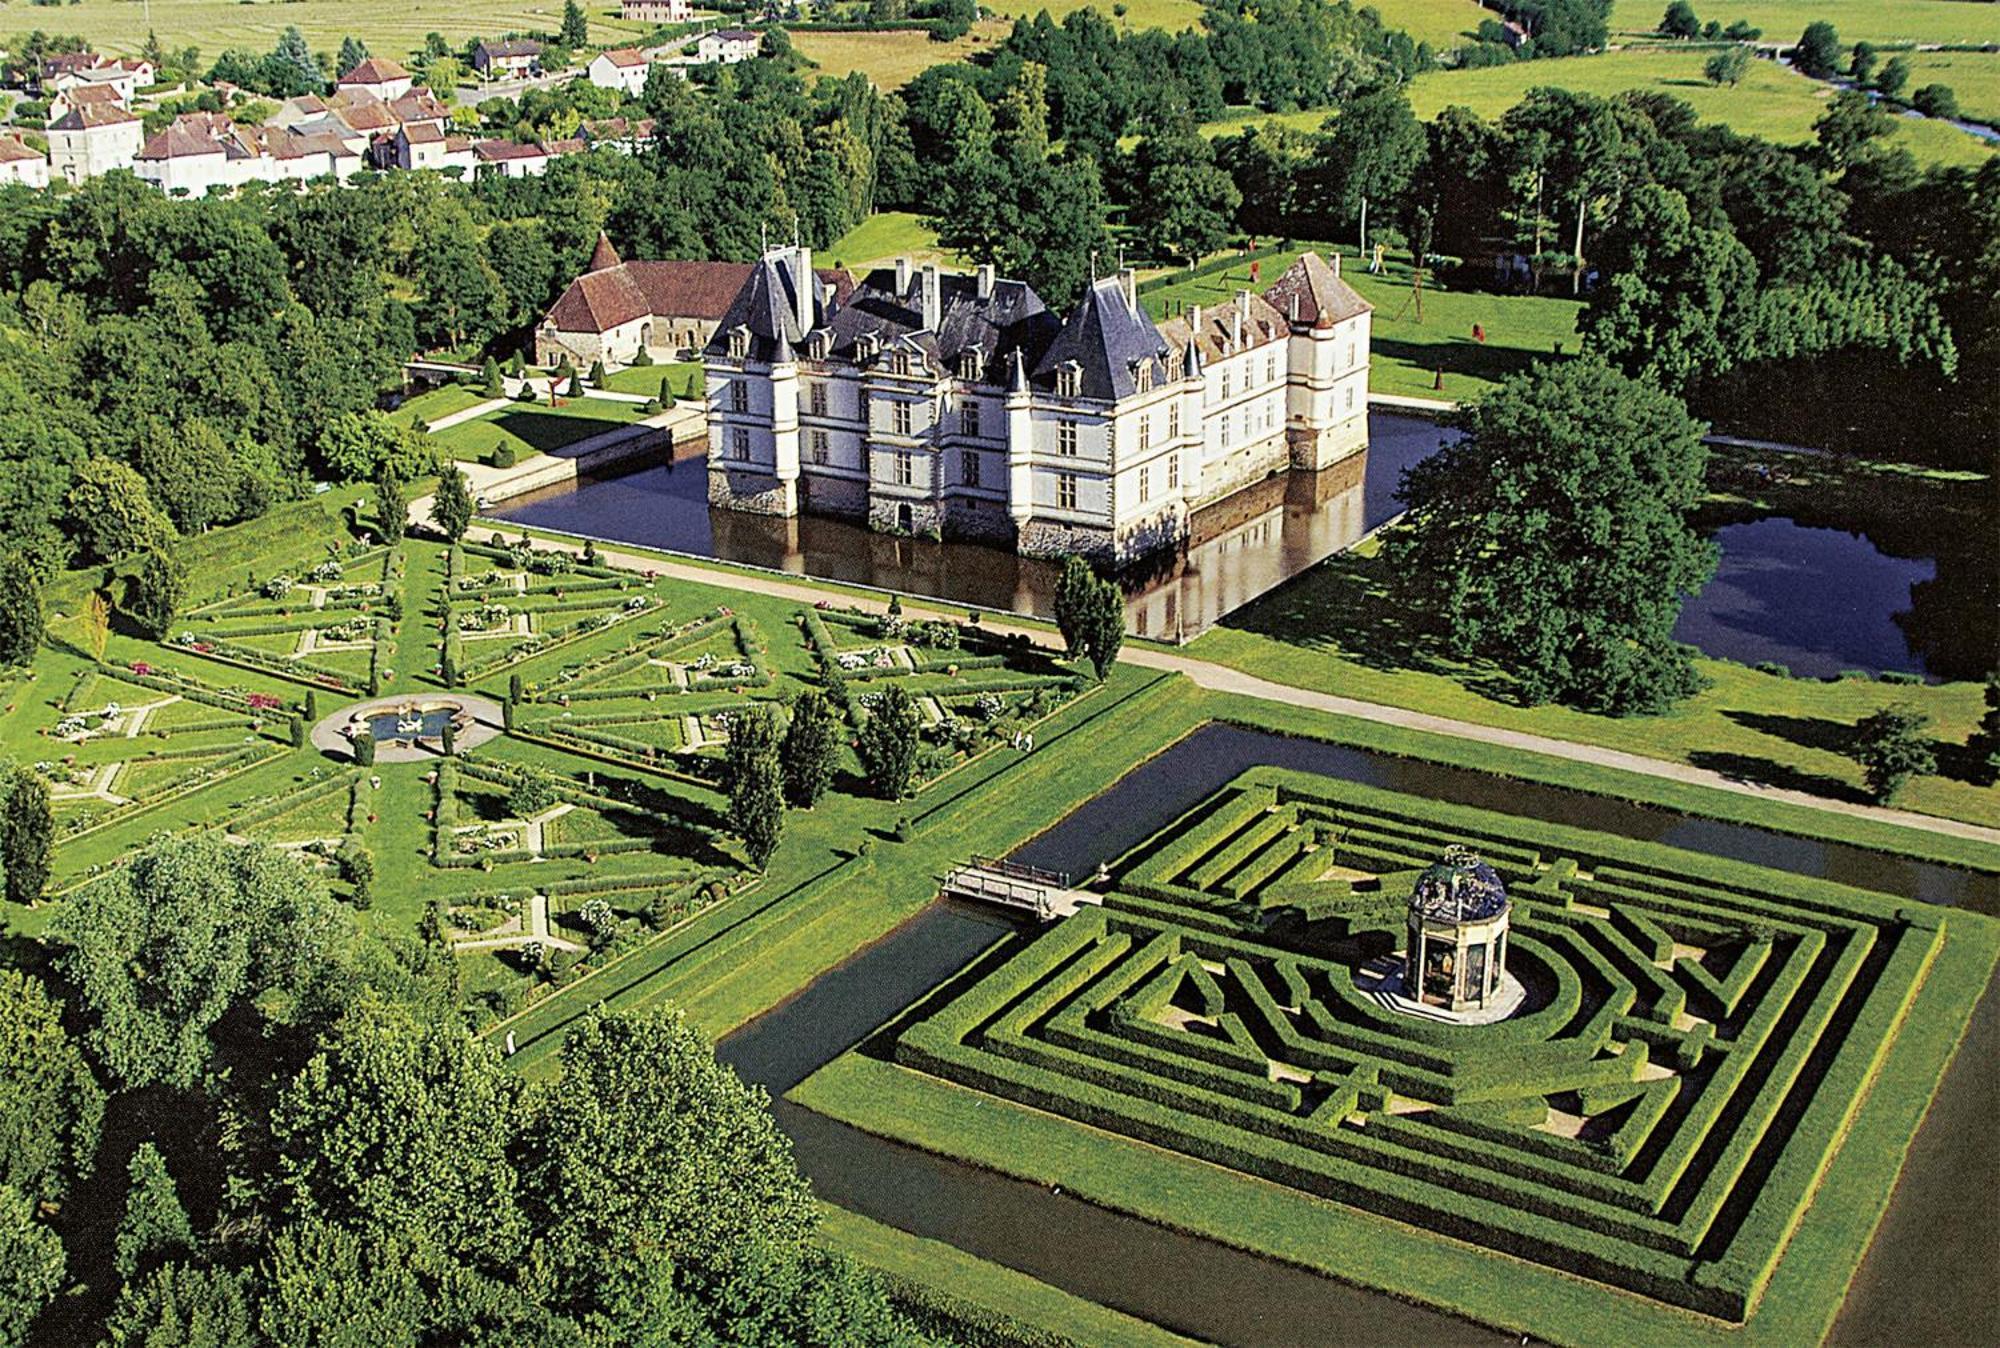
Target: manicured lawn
[
  {"x": 1338, "y": 630},
  {"x": 991, "y": 1287},
  {"x": 1875, "y": 20},
  {"x": 537, "y": 428},
  {"x": 882, "y": 238},
  {"x": 437, "y": 403},
  {"x": 1772, "y": 101},
  {"x": 890, "y": 60},
  {"x": 684, "y": 376},
  {"x": 1406, "y": 354}
]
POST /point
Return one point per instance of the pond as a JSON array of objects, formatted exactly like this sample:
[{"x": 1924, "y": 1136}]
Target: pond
[
  {"x": 1213, "y": 1292},
  {"x": 1242, "y": 546}
]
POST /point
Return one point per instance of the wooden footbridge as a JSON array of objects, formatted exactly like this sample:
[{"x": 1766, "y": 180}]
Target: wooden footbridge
[{"x": 1046, "y": 894}]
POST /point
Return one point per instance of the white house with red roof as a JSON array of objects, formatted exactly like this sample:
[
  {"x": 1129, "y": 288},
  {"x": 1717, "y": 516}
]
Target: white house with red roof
[
  {"x": 379, "y": 76},
  {"x": 93, "y": 139},
  {"x": 622, "y": 70},
  {"x": 21, "y": 164}
]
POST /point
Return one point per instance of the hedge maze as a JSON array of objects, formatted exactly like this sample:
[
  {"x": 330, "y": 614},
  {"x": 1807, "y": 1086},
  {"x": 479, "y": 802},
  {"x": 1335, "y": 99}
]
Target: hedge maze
[{"x": 1697, "y": 1035}]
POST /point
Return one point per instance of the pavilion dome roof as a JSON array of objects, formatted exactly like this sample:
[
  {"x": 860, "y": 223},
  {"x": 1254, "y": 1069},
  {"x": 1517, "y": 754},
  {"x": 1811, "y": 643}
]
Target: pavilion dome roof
[{"x": 1459, "y": 888}]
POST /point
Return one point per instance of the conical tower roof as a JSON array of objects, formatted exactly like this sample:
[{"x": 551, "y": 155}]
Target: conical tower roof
[{"x": 604, "y": 255}]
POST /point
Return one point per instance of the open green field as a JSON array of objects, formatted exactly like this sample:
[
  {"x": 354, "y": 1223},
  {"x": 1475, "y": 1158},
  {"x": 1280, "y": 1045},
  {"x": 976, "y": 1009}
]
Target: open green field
[
  {"x": 1874, "y": 20},
  {"x": 882, "y": 238},
  {"x": 1406, "y": 355},
  {"x": 1772, "y": 101},
  {"x": 537, "y": 428},
  {"x": 1442, "y": 23},
  {"x": 1539, "y": 1174},
  {"x": 891, "y": 60},
  {"x": 993, "y": 1288},
  {"x": 1973, "y": 75},
  {"x": 1172, "y": 15}
]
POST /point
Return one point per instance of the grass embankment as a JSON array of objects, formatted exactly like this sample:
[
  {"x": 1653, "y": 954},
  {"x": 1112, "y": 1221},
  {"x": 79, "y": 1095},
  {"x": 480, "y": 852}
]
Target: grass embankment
[
  {"x": 992, "y": 1288},
  {"x": 1875, "y": 21},
  {"x": 683, "y": 376},
  {"x": 882, "y": 238},
  {"x": 892, "y": 59},
  {"x": 1339, "y": 629},
  {"x": 1798, "y": 1306},
  {"x": 537, "y": 428},
  {"x": 1405, "y": 355},
  {"x": 437, "y": 404},
  {"x": 1772, "y": 101}
]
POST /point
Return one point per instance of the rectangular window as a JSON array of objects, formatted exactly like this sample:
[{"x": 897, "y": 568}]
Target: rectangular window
[
  {"x": 739, "y": 442},
  {"x": 1351, "y": 349},
  {"x": 900, "y": 417},
  {"x": 1225, "y": 384},
  {"x": 819, "y": 447},
  {"x": 739, "y": 395},
  {"x": 816, "y": 399},
  {"x": 968, "y": 467},
  {"x": 1145, "y": 485},
  {"x": 866, "y": 410},
  {"x": 1066, "y": 437},
  {"x": 1270, "y": 369},
  {"x": 1173, "y": 473},
  {"x": 1065, "y": 491},
  {"x": 1145, "y": 432},
  {"x": 1173, "y": 420},
  {"x": 1350, "y": 400},
  {"x": 906, "y": 468},
  {"x": 968, "y": 417},
  {"x": 1225, "y": 430}
]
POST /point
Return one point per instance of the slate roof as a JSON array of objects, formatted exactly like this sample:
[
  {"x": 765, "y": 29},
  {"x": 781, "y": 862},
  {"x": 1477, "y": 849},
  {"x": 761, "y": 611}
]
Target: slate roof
[
  {"x": 1012, "y": 318},
  {"x": 1322, "y": 295},
  {"x": 606, "y": 296},
  {"x": 1108, "y": 340},
  {"x": 91, "y": 116},
  {"x": 735, "y": 35}
]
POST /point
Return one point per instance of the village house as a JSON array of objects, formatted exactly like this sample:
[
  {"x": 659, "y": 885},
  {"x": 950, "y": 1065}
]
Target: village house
[
  {"x": 932, "y": 402},
  {"x": 627, "y": 135},
  {"x": 379, "y": 76},
  {"x": 668, "y": 309},
  {"x": 511, "y": 158},
  {"x": 93, "y": 139},
  {"x": 656, "y": 11},
  {"x": 55, "y": 67},
  {"x": 623, "y": 70},
  {"x": 84, "y": 96},
  {"x": 201, "y": 152},
  {"x": 726, "y": 46},
  {"x": 19, "y": 163},
  {"x": 512, "y": 59}
]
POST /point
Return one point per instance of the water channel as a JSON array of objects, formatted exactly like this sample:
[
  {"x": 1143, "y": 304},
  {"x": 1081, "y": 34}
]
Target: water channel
[
  {"x": 1208, "y": 1290},
  {"x": 1814, "y": 598}
]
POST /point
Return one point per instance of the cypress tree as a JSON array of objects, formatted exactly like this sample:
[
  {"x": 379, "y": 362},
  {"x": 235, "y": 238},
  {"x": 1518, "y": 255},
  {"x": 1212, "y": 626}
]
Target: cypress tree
[
  {"x": 756, "y": 782},
  {"x": 597, "y": 374},
  {"x": 666, "y": 392},
  {"x": 811, "y": 748},
  {"x": 888, "y": 743},
  {"x": 364, "y": 749},
  {"x": 27, "y": 838},
  {"x": 22, "y": 619},
  {"x": 155, "y": 1226}
]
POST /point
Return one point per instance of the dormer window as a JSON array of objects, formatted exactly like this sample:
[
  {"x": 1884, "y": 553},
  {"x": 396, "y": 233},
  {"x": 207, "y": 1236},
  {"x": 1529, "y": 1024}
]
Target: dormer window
[
  {"x": 968, "y": 365},
  {"x": 739, "y": 343},
  {"x": 1069, "y": 379},
  {"x": 1142, "y": 376},
  {"x": 816, "y": 346},
  {"x": 1176, "y": 365},
  {"x": 866, "y": 346},
  {"x": 899, "y": 363}
]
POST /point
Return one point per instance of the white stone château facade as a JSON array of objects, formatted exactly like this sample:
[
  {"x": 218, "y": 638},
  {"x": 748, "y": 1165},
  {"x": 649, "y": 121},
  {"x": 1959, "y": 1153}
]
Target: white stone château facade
[{"x": 960, "y": 405}]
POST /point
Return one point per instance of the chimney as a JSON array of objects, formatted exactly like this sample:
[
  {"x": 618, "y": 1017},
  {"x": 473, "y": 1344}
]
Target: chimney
[
  {"x": 986, "y": 281},
  {"x": 1128, "y": 281},
  {"x": 805, "y": 287},
  {"x": 902, "y": 276},
  {"x": 1238, "y": 313},
  {"x": 1336, "y": 264},
  {"x": 933, "y": 297},
  {"x": 1194, "y": 319}
]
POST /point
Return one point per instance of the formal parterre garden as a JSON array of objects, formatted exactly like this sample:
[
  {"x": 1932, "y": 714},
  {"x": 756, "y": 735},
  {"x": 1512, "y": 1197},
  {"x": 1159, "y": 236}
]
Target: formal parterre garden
[
  {"x": 551, "y": 851},
  {"x": 1684, "y": 1078}
]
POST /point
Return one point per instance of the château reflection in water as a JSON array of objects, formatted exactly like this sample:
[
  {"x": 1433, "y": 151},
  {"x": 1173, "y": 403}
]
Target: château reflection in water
[{"x": 1239, "y": 548}]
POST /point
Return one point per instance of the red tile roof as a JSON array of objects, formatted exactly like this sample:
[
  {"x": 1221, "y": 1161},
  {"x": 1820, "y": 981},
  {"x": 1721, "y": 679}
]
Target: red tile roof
[
  {"x": 90, "y": 93},
  {"x": 180, "y": 142},
  {"x": 91, "y": 116},
  {"x": 423, "y": 133},
  {"x": 602, "y": 299},
  {"x": 625, "y": 56},
  {"x": 13, "y": 151},
  {"x": 375, "y": 70},
  {"x": 494, "y": 150}
]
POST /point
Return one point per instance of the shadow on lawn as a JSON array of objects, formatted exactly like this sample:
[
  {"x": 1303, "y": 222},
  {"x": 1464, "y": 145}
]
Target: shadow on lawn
[
  {"x": 1343, "y": 603},
  {"x": 547, "y": 432},
  {"x": 1460, "y": 356},
  {"x": 1767, "y": 772}
]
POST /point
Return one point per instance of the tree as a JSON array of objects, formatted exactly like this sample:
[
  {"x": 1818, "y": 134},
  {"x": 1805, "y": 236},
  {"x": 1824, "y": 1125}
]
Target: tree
[
  {"x": 1818, "y": 51},
  {"x": 1553, "y": 539},
  {"x": 392, "y": 511},
  {"x": 575, "y": 28},
  {"x": 1073, "y": 598},
  {"x": 156, "y": 593},
  {"x": 1983, "y": 745},
  {"x": 1894, "y": 76},
  {"x": 353, "y": 51},
  {"x": 364, "y": 749},
  {"x": 189, "y": 929},
  {"x": 1936, "y": 100},
  {"x": 31, "y": 1265},
  {"x": 1182, "y": 202},
  {"x": 359, "y": 447},
  {"x": 1680, "y": 21},
  {"x": 596, "y": 374},
  {"x": 451, "y": 506},
  {"x": 155, "y": 1226},
  {"x": 1104, "y": 626},
  {"x": 489, "y": 379},
  {"x": 183, "y": 1305},
  {"x": 1891, "y": 746},
  {"x": 888, "y": 742},
  {"x": 811, "y": 749},
  {"x": 112, "y": 514},
  {"x": 1861, "y": 63},
  {"x": 27, "y": 838},
  {"x": 290, "y": 69},
  {"x": 1727, "y": 66},
  {"x": 533, "y": 792},
  {"x": 51, "y": 1107},
  {"x": 1371, "y": 152},
  {"x": 325, "y": 1286},
  {"x": 1671, "y": 304},
  {"x": 756, "y": 778}
]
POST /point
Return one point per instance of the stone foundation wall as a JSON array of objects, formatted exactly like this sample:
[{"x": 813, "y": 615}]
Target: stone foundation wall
[
  {"x": 1050, "y": 538},
  {"x": 978, "y": 520},
  {"x": 841, "y": 497},
  {"x": 1321, "y": 448},
  {"x": 1145, "y": 537},
  {"x": 754, "y": 493},
  {"x": 885, "y": 514},
  {"x": 1252, "y": 463}
]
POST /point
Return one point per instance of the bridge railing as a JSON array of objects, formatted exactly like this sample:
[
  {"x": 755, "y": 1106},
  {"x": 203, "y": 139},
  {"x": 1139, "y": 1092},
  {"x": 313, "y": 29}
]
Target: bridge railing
[
  {"x": 976, "y": 881},
  {"x": 1015, "y": 869}
]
